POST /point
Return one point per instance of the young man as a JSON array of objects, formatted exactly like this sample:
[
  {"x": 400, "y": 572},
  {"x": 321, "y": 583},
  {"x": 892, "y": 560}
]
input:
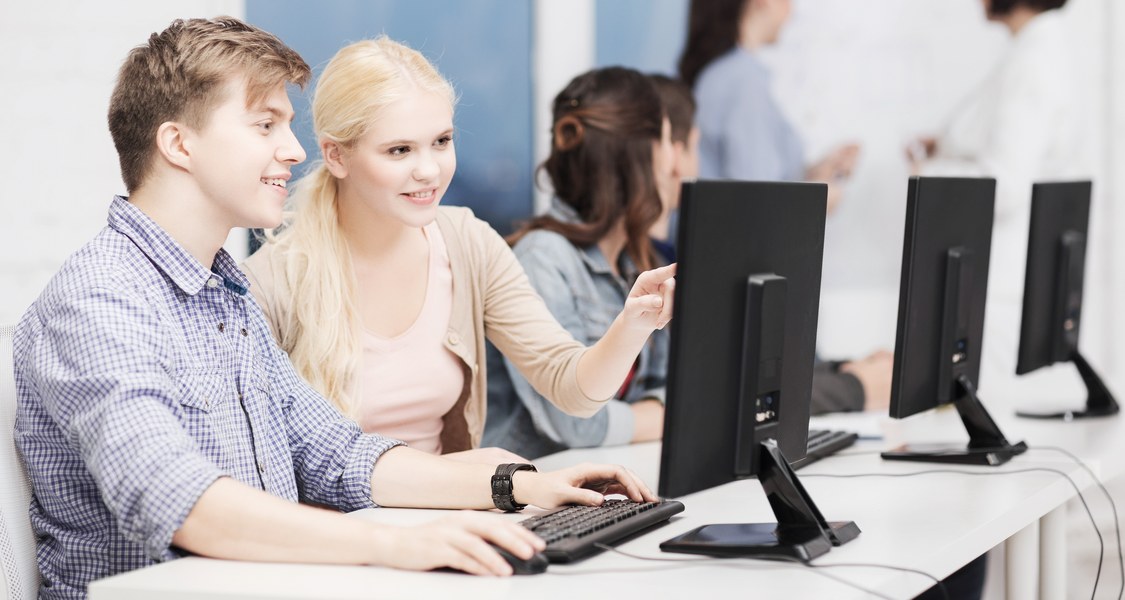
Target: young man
[{"x": 156, "y": 415}]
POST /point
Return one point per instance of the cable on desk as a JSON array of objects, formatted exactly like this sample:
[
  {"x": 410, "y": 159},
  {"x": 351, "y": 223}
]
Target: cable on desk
[
  {"x": 1112, "y": 504},
  {"x": 728, "y": 562},
  {"x": 1089, "y": 513}
]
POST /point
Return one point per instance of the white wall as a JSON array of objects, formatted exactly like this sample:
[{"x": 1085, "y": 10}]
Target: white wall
[
  {"x": 564, "y": 43},
  {"x": 58, "y": 60},
  {"x": 885, "y": 71}
]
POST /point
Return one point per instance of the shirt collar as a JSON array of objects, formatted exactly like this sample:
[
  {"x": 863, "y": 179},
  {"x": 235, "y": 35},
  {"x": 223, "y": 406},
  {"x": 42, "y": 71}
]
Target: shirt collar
[
  {"x": 592, "y": 255},
  {"x": 169, "y": 256}
]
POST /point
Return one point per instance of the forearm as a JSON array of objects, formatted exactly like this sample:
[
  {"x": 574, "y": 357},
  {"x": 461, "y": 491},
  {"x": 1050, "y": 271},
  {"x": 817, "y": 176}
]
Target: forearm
[
  {"x": 604, "y": 367},
  {"x": 405, "y": 477},
  {"x": 231, "y": 520},
  {"x": 648, "y": 420}
]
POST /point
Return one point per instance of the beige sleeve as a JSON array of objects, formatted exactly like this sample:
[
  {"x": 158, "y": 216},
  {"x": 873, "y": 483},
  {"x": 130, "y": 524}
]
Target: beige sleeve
[
  {"x": 267, "y": 281},
  {"x": 521, "y": 326}
]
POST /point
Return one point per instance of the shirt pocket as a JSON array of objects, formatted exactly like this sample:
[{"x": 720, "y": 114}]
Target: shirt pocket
[{"x": 202, "y": 391}]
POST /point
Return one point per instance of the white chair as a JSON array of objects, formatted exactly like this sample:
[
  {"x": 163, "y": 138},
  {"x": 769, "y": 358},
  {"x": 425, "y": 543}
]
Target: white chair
[{"x": 19, "y": 577}]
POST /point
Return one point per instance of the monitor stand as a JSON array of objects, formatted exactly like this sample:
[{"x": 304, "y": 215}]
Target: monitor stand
[
  {"x": 1099, "y": 402},
  {"x": 800, "y": 531},
  {"x": 987, "y": 444}
]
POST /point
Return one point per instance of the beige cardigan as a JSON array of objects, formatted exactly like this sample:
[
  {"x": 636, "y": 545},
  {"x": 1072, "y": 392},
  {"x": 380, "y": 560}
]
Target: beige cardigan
[{"x": 491, "y": 298}]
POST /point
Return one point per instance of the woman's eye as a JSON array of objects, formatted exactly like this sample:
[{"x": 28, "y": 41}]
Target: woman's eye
[
  {"x": 398, "y": 150},
  {"x": 444, "y": 141}
]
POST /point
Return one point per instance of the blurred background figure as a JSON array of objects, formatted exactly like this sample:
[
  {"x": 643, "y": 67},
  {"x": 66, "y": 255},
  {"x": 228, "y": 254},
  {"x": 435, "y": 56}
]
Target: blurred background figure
[
  {"x": 1022, "y": 124},
  {"x": 744, "y": 134},
  {"x": 679, "y": 106},
  {"x": 838, "y": 386}
]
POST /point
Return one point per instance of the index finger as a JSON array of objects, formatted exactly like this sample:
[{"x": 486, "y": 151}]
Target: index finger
[{"x": 659, "y": 274}]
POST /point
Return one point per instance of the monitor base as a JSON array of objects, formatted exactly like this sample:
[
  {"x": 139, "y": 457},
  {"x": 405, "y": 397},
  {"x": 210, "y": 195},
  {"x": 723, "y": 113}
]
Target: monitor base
[
  {"x": 960, "y": 455},
  {"x": 1072, "y": 415},
  {"x": 1099, "y": 401},
  {"x": 801, "y": 532},
  {"x": 752, "y": 540}
]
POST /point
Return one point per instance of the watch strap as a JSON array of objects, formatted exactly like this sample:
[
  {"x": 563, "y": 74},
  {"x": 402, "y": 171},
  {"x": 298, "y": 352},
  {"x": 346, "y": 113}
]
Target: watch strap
[{"x": 502, "y": 495}]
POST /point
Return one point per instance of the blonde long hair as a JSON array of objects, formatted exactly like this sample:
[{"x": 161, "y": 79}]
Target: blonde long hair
[{"x": 320, "y": 333}]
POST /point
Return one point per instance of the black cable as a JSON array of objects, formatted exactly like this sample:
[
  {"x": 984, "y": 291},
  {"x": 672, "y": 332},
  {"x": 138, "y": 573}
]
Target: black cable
[
  {"x": 727, "y": 562},
  {"x": 1089, "y": 513},
  {"x": 1112, "y": 504}
]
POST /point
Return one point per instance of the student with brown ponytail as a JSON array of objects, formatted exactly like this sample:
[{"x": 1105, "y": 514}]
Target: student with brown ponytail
[{"x": 611, "y": 156}]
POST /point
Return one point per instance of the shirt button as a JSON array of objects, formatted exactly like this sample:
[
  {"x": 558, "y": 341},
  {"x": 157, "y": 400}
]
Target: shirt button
[
  {"x": 475, "y": 369},
  {"x": 221, "y": 327},
  {"x": 453, "y": 339},
  {"x": 243, "y": 332},
  {"x": 212, "y": 283},
  {"x": 261, "y": 467}
]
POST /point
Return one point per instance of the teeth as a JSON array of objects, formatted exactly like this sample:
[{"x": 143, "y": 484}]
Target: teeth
[
  {"x": 420, "y": 195},
  {"x": 275, "y": 181}
]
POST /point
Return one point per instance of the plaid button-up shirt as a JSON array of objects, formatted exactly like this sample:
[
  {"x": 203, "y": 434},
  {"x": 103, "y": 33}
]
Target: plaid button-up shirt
[{"x": 142, "y": 378}]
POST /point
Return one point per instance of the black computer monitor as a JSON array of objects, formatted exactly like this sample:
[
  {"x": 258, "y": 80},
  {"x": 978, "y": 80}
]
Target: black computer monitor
[
  {"x": 1052, "y": 291},
  {"x": 941, "y": 301},
  {"x": 741, "y": 360}
]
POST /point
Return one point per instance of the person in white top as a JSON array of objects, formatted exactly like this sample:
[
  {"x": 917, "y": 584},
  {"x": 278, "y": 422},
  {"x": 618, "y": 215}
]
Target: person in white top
[{"x": 1022, "y": 125}]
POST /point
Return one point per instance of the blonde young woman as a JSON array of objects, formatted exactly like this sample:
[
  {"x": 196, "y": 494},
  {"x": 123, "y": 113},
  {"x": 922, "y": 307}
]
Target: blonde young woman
[{"x": 383, "y": 299}]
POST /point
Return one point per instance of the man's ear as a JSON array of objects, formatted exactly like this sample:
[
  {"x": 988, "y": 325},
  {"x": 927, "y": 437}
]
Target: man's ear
[
  {"x": 334, "y": 158},
  {"x": 173, "y": 144}
]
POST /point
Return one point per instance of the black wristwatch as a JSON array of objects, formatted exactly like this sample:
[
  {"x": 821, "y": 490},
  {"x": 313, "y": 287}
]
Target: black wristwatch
[{"x": 502, "y": 486}]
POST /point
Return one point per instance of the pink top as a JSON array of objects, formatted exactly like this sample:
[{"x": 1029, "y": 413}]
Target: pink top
[{"x": 406, "y": 384}]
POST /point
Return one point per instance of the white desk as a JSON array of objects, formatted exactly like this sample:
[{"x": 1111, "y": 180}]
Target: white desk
[{"x": 935, "y": 523}]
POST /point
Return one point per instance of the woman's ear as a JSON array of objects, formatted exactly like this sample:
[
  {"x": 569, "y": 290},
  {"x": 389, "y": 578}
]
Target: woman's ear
[
  {"x": 173, "y": 141},
  {"x": 334, "y": 158}
]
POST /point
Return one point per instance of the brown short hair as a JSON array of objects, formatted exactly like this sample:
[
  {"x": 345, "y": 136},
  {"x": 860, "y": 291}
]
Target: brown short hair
[
  {"x": 679, "y": 105},
  {"x": 178, "y": 74},
  {"x": 999, "y": 8}
]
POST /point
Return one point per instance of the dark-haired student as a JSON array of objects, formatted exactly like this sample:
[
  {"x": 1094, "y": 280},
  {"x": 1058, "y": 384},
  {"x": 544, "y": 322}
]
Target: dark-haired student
[{"x": 611, "y": 157}]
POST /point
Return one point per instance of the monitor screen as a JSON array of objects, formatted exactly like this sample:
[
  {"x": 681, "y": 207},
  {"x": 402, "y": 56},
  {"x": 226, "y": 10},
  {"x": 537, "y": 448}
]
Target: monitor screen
[
  {"x": 740, "y": 367},
  {"x": 1052, "y": 293},
  {"x": 941, "y": 298}
]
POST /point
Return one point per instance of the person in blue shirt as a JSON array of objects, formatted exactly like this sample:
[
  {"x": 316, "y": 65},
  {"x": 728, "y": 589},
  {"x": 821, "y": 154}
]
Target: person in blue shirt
[
  {"x": 837, "y": 386},
  {"x": 743, "y": 132},
  {"x": 611, "y": 157},
  {"x": 155, "y": 414}
]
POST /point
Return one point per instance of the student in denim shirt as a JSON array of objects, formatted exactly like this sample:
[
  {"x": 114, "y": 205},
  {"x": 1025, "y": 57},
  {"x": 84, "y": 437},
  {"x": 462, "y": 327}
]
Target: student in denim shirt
[{"x": 611, "y": 152}]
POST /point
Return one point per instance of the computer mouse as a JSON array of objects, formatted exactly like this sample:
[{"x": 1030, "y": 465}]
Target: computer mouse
[{"x": 531, "y": 566}]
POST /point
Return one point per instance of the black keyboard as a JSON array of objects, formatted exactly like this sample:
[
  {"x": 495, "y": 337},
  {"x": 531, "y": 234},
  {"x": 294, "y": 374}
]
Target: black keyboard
[
  {"x": 571, "y": 532},
  {"x": 824, "y": 442}
]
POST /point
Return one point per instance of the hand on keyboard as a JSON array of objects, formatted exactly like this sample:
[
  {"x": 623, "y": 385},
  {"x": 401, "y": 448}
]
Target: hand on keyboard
[{"x": 585, "y": 484}]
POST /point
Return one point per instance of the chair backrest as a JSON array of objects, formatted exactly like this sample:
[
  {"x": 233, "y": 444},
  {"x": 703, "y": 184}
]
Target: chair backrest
[{"x": 19, "y": 577}]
